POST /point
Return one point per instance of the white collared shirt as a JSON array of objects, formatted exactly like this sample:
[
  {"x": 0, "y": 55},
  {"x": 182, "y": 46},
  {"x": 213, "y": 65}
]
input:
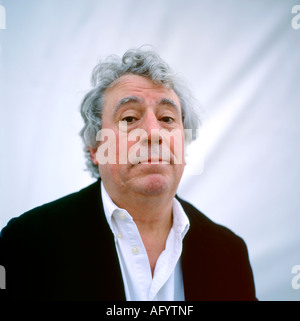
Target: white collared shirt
[{"x": 167, "y": 282}]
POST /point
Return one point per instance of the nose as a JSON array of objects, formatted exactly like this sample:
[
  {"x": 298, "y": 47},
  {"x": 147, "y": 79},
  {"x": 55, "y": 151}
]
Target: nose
[{"x": 151, "y": 126}]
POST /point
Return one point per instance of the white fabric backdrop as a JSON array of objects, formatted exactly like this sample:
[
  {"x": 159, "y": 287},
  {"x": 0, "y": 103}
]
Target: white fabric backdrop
[{"x": 242, "y": 60}]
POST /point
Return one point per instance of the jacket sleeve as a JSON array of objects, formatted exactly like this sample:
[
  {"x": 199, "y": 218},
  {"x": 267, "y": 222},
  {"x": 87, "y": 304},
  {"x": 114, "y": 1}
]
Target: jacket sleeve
[{"x": 241, "y": 272}]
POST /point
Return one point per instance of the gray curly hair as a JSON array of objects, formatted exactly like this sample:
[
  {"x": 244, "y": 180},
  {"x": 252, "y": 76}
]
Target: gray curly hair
[{"x": 138, "y": 62}]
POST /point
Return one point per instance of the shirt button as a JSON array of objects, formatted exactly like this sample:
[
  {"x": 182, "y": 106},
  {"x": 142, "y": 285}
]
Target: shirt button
[
  {"x": 135, "y": 250},
  {"x": 122, "y": 215},
  {"x": 119, "y": 235}
]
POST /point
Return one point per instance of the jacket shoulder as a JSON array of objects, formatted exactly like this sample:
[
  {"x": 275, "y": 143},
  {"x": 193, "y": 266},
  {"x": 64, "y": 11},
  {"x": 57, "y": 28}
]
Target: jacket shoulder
[
  {"x": 50, "y": 215},
  {"x": 200, "y": 223}
]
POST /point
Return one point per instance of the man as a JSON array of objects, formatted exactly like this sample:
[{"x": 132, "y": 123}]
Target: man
[{"x": 128, "y": 236}]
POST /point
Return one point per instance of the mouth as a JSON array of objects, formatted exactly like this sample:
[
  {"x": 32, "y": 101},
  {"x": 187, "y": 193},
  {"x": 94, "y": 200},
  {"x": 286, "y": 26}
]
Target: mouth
[{"x": 154, "y": 161}]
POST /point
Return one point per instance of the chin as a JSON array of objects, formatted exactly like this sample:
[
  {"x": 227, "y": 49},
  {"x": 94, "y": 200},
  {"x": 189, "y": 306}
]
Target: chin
[{"x": 154, "y": 185}]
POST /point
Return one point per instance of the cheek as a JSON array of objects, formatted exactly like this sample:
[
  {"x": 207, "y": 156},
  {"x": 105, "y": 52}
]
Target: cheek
[
  {"x": 129, "y": 147},
  {"x": 105, "y": 170},
  {"x": 177, "y": 148},
  {"x": 111, "y": 174}
]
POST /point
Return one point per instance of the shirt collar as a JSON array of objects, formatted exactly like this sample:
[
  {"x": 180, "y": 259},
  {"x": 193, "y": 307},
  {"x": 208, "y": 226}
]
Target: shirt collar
[
  {"x": 181, "y": 222},
  {"x": 108, "y": 205}
]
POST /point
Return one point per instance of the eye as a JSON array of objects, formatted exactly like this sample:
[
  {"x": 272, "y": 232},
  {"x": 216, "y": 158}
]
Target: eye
[
  {"x": 167, "y": 119},
  {"x": 129, "y": 119}
]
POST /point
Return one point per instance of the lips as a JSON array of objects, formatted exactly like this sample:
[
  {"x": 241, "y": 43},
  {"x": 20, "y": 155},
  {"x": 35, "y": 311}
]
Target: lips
[{"x": 154, "y": 161}]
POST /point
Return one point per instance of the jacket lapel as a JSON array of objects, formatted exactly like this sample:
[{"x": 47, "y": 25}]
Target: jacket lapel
[
  {"x": 103, "y": 272},
  {"x": 202, "y": 257}
]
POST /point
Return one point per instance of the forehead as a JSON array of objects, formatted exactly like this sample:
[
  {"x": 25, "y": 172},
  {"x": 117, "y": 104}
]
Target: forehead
[{"x": 139, "y": 86}]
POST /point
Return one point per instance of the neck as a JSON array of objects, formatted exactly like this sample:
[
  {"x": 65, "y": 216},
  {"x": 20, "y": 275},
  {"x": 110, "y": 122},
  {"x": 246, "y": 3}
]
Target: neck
[
  {"x": 146, "y": 211},
  {"x": 154, "y": 219}
]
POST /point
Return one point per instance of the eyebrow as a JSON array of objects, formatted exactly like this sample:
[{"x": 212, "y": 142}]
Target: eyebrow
[
  {"x": 127, "y": 100},
  {"x": 169, "y": 102},
  {"x": 136, "y": 99}
]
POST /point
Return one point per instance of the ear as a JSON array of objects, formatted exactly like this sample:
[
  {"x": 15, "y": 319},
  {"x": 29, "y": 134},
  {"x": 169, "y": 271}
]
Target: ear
[{"x": 93, "y": 155}]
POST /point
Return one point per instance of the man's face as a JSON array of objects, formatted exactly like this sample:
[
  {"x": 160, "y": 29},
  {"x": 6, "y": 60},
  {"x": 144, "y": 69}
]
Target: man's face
[{"x": 140, "y": 113}]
